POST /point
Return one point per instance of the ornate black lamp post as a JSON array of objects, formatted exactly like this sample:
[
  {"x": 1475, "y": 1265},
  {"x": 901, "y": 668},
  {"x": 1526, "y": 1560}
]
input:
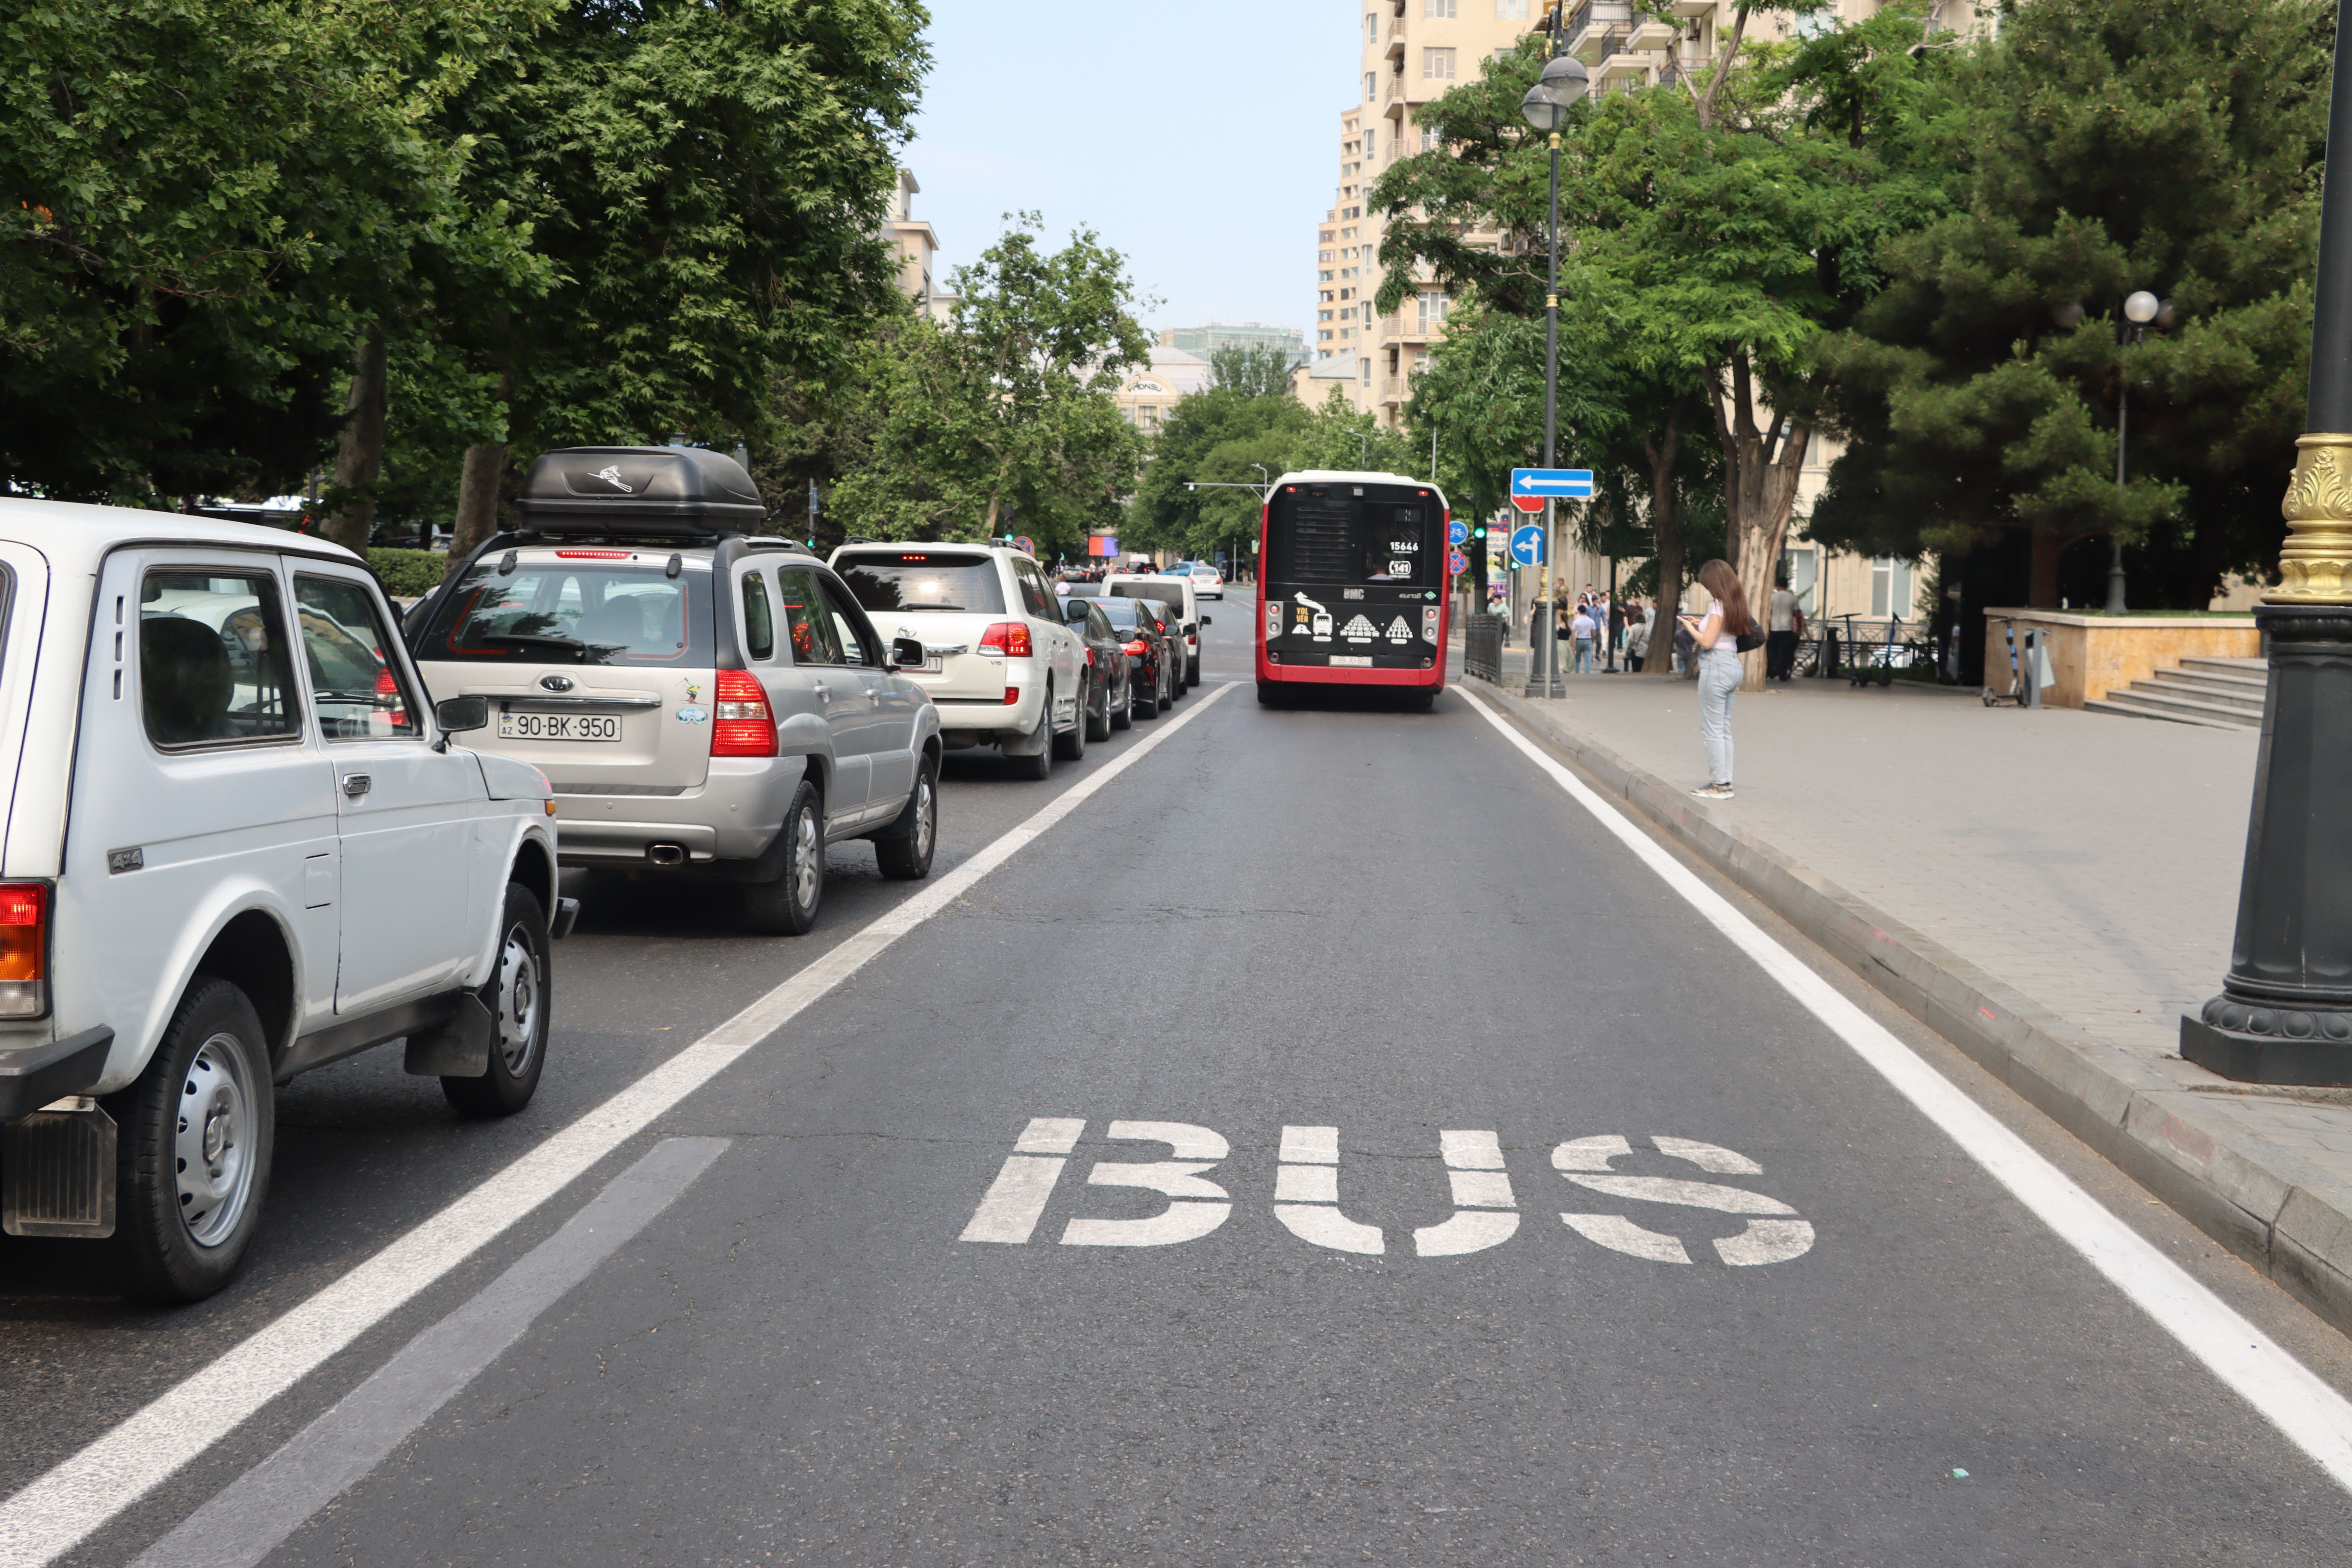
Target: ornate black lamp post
[
  {"x": 2284, "y": 1014},
  {"x": 1545, "y": 107},
  {"x": 2138, "y": 311}
]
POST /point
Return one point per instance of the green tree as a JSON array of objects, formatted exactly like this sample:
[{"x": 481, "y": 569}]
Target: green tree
[
  {"x": 210, "y": 201},
  {"x": 2171, "y": 145},
  {"x": 1260, "y": 371},
  {"x": 1005, "y": 418},
  {"x": 709, "y": 181}
]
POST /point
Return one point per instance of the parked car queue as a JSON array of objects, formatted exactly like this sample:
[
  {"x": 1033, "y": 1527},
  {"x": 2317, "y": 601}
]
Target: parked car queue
[{"x": 273, "y": 782}]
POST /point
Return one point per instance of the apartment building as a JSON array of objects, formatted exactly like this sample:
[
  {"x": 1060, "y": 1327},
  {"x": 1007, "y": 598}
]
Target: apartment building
[
  {"x": 918, "y": 249},
  {"x": 1148, "y": 394},
  {"x": 1411, "y": 52}
]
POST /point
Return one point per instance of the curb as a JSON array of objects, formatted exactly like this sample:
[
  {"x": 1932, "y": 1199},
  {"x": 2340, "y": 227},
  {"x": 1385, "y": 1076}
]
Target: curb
[{"x": 2280, "y": 1212}]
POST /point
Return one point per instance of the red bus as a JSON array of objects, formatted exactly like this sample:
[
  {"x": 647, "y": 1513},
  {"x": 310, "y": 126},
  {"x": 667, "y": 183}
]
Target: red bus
[{"x": 1352, "y": 582}]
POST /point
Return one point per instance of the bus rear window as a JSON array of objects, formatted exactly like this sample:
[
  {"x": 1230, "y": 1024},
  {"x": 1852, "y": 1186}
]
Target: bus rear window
[
  {"x": 923, "y": 580},
  {"x": 565, "y": 612},
  {"x": 1327, "y": 533}
]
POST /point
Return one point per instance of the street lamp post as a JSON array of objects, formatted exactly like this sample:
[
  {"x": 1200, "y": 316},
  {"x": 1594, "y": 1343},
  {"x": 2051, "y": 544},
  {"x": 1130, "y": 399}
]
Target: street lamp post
[
  {"x": 2138, "y": 311},
  {"x": 2284, "y": 1014},
  {"x": 1545, "y": 107}
]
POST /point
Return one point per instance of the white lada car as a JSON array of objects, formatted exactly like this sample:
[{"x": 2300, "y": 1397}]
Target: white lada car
[
  {"x": 1000, "y": 665},
  {"x": 240, "y": 844}
]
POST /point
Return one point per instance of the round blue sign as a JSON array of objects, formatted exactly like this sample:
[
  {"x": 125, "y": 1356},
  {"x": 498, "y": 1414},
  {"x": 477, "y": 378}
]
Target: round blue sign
[
  {"x": 1528, "y": 545},
  {"x": 1457, "y": 532}
]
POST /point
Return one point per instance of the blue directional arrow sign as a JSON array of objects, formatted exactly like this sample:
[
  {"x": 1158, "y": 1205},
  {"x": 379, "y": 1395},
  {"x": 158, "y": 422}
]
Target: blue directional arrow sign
[
  {"x": 1553, "y": 484},
  {"x": 1457, "y": 532},
  {"x": 1528, "y": 544}
]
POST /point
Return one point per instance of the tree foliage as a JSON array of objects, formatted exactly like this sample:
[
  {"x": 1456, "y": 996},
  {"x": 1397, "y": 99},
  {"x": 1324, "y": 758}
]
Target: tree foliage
[
  {"x": 1003, "y": 419},
  {"x": 2099, "y": 148}
]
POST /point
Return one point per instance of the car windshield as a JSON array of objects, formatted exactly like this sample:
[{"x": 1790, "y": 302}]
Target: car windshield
[
  {"x": 904, "y": 580},
  {"x": 1168, "y": 594},
  {"x": 1121, "y": 613},
  {"x": 580, "y": 607}
]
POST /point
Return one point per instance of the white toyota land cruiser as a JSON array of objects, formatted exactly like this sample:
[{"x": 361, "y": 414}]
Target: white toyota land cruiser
[{"x": 239, "y": 845}]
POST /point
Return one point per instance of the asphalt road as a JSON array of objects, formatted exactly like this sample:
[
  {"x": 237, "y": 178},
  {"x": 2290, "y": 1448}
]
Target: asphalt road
[{"x": 836, "y": 1316}]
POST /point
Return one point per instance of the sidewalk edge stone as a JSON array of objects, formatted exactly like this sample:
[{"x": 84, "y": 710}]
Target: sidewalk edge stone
[{"x": 2262, "y": 1202}]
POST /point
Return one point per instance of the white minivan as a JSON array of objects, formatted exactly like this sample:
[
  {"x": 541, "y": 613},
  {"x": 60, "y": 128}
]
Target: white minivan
[
  {"x": 1176, "y": 592},
  {"x": 239, "y": 844}
]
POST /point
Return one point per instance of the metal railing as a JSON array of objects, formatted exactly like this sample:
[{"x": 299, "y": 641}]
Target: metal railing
[
  {"x": 1482, "y": 646},
  {"x": 1594, "y": 10}
]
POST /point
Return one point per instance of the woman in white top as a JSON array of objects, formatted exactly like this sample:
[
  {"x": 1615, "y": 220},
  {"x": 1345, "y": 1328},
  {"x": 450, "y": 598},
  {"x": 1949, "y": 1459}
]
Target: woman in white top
[{"x": 1717, "y": 633}]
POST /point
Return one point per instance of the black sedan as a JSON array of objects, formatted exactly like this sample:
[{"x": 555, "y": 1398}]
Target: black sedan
[
  {"x": 1108, "y": 705},
  {"x": 1145, "y": 642}
]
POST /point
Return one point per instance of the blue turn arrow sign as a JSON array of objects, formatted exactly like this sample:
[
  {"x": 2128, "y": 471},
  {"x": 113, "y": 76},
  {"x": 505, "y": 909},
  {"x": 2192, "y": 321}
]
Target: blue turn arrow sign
[
  {"x": 1553, "y": 484},
  {"x": 1528, "y": 544}
]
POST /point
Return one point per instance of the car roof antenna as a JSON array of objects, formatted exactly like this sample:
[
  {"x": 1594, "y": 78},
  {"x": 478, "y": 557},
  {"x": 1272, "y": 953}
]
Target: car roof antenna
[{"x": 676, "y": 565}]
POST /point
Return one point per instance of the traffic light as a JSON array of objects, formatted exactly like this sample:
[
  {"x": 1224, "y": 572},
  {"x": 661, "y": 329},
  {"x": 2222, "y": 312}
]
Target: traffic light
[{"x": 1479, "y": 531}]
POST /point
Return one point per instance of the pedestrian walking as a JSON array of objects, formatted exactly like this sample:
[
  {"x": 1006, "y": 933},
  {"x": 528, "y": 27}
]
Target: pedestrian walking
[
  {"x": 1582, "y": 628},
  {"x": 1716, "y": 634},
  {"x": 1637, "y": 639},
  {"x": 1616, "y": 632},
  {"x": 1787, "y": 621}
]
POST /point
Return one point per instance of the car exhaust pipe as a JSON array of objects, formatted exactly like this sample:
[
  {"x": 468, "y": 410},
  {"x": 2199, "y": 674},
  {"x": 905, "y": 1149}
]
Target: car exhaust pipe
[{"x": 665, "y": 854}]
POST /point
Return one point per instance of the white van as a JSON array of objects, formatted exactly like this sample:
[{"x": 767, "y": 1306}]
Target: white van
[{"x": 224, "y": 865}]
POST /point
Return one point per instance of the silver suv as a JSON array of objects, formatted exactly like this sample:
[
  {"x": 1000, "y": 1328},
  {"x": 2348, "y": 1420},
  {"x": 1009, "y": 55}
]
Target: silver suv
[{"x": 707, "y": 702}]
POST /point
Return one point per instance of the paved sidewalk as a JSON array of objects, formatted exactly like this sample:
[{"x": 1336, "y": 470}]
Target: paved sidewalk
[{"x": 2049, "y": 888}]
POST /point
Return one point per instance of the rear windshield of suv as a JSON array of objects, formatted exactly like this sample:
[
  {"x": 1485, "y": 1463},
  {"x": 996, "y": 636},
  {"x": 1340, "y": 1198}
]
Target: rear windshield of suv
[
  {"x": 1171, "y": 595},
  {"x": 576, "y": 610},
  {"x": 902, "y": 580},
  {"x": 1123, "y": 614}
]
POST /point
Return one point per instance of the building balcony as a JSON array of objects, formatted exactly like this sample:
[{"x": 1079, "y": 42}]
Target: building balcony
[
  {"x": 1393, "y": 389},
  {"x": 1603, "y": 35}
]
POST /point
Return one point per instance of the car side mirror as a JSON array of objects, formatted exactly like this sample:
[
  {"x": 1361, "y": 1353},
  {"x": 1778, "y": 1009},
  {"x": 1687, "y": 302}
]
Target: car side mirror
[
  {"x": 907, "y": 653},
  {"x": 1204, "y": 620},
  {"x": 456, "y": 715}
]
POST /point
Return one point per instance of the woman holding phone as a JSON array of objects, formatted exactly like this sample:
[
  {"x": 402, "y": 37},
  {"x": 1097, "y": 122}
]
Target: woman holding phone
[{"x": 1717, "y": 633}]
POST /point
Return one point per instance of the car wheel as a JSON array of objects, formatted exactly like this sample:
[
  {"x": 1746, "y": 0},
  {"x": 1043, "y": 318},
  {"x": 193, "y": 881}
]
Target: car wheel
[
  {"x": 788, "y": 906},
  {"x": 1038, "y": 764},
  {"x": 904, "y": 851},
  {"x": 1146, "y": 700},
  {"x": 519, "y": 998},
  {"x": 1122, "y": 714},
  {"x": 1165, "y": 695},
  {"x": 1070, "y": 745},
  {"x": 191, "y": 1155},
  {"x": 1099, "y": 711},
  {"x": 1192, "y": 673}
]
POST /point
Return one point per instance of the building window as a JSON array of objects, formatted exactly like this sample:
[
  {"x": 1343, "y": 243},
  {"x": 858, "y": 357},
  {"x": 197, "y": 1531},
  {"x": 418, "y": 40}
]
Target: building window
[
  {"x": 1890, "y": 587},
  {"x": 1371, "y": 86},
  {"x": 1373, "y": 30},
  {"x": 1433, "y": 311},
  {"x": 1428, "y": 139},
  {"x": 1364, "y": 367},
  {"x": 1441, "y": 10},
  {"x": 1510, "y": 10},
  {"x": 1323, "y": 277},
  {"x": 1437, "y": 65}
]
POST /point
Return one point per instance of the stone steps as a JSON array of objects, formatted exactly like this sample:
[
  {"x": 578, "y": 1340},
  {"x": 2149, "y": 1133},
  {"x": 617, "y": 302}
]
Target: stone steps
[{"x": 2219, "y": 693}]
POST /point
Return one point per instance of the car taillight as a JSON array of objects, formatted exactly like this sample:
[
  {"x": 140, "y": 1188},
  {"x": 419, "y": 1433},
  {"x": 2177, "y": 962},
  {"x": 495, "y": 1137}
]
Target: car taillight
[
  {"x": 1139, "y": 647},
  {"x": 1010, "y": 639},
  {"x": 385, "y": 686},
  {"x": 24, "y": 948},
  {"x": 743, "y": 725},
  {"x": 1091, "y": 658}
]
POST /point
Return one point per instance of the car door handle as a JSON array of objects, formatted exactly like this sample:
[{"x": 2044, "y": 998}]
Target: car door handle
[{"x": 357, "y": 784}]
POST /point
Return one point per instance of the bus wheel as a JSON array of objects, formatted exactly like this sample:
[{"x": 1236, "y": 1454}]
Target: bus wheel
[
  {"x": 1269, "y": 695},
  {"x": 1423, "y": 701}
]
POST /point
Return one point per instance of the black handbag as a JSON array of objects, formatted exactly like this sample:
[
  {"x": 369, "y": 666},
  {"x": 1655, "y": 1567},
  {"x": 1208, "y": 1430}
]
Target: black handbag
[{"x": 1750, "y": 640}]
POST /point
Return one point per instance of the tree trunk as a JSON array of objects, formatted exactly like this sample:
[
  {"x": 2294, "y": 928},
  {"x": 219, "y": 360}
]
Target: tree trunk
[
  {"x": 360, "y": 459},
  {"x": 478, "y": 501},
  {"x": 1667, "y": 526},
  {"x": 2041, "y": 592},
  {"x": 1760, "y": 470}
]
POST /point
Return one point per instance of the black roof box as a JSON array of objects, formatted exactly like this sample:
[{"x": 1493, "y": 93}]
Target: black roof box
[{"x": 683, "y": 491}]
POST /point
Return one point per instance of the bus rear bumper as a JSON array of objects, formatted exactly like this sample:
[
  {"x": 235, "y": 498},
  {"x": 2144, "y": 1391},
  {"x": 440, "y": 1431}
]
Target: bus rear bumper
[{"x": 1326, "y": 675}]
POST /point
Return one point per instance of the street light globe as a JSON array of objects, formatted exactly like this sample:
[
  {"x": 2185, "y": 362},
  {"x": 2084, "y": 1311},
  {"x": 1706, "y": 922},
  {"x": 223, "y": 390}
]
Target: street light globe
[
  {"x": 2142, "y": 307},
  {"x": 1562, "y": 83}
]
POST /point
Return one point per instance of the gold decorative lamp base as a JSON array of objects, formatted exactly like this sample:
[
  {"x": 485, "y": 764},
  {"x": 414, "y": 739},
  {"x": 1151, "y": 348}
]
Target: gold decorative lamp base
[{"x": 2315, "y": 564}]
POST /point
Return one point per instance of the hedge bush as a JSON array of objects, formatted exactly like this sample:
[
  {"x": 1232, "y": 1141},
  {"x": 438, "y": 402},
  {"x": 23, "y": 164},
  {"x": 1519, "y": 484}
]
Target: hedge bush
[{"x": 408, "y": 574}]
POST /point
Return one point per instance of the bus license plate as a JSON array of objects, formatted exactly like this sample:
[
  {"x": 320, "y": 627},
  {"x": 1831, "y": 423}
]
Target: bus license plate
[
  {"x": 559, "y": 727},
  {"x": 1361, "y": 659}
]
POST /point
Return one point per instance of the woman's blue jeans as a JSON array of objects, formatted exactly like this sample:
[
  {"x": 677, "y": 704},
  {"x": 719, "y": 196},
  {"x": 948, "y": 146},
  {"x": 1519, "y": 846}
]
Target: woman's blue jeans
[{"x": 1719, "y": 675}]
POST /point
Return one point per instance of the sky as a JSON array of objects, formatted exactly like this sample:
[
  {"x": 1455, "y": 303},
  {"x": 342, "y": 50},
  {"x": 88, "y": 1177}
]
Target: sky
[{"x": 1200, "y": 140}]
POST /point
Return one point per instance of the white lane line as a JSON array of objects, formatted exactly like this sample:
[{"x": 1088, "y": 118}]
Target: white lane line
[
  {"x": 2313, "y": 1416},
  {"x": 80, "y": 1493},
  {"x": 249, "y": 1519}
]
